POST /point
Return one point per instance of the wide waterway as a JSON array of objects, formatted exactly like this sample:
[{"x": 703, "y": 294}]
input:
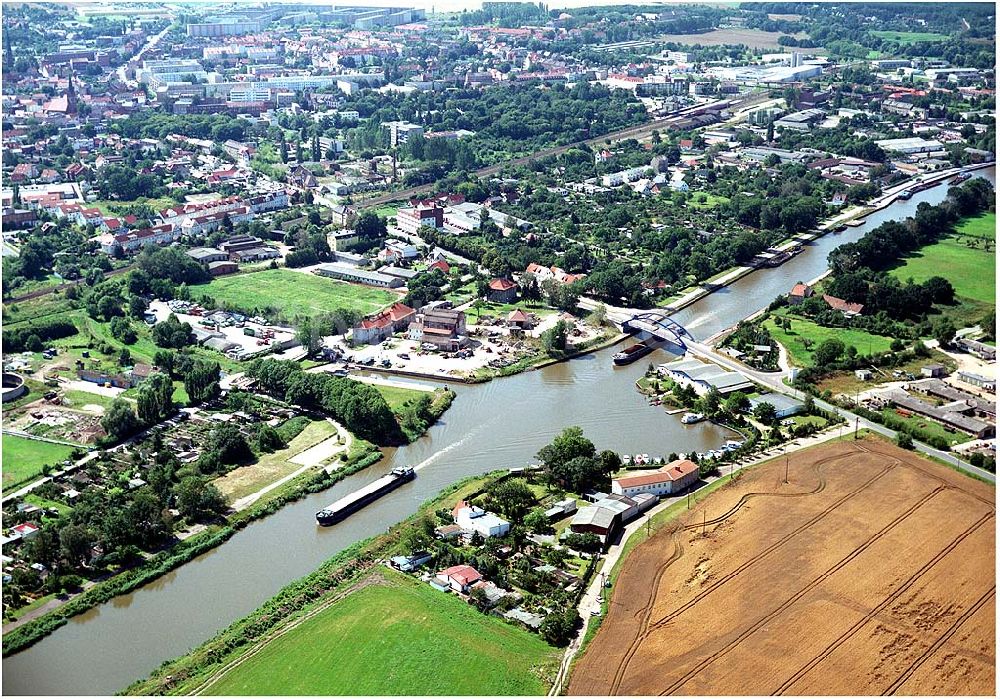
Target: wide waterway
[{"x": 499, "y": 424}]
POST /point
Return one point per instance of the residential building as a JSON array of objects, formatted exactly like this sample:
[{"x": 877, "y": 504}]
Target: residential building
[
  {"x": 502, "y": 291},
  {"x": 442, "y": 327},
  {"x": 799, "y": 293},
  {"x": 381, "y": 326},
  {"x": 473, "y": 519},
  {"x": 459, "y": 578},
  {"x": 848, "y": 309}
]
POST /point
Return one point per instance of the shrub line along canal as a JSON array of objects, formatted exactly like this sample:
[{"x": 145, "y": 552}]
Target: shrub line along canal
[{"x": 502, "y": 423}]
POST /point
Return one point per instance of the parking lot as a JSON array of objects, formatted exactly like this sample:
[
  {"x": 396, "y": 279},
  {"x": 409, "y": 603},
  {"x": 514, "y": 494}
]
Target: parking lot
[{"x": 238, "y": 336}]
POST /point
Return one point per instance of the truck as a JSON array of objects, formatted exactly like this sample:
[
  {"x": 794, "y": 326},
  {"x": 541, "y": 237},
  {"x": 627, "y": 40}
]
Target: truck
[{"x": 249, "y": 332}]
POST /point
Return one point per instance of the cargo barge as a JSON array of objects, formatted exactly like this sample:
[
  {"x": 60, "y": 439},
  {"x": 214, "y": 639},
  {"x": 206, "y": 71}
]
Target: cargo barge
[
  {"x": 631, "y": 353},
  {"x": 350, "y": 504}
]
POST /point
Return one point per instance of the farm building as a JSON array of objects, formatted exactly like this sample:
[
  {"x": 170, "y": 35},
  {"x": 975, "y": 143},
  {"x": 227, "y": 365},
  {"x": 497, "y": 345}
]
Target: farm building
[
  {"x": 344, "y": 272},
  {"x": 978, "y": 380}
]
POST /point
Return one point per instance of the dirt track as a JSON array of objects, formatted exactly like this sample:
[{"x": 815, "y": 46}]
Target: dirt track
[{"x": 870, "y": 572}]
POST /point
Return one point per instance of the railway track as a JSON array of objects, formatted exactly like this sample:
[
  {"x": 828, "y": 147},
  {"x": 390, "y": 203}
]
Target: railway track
[
  {"x": 620, "y": 135},
  {"x": 882, "y": 606}
]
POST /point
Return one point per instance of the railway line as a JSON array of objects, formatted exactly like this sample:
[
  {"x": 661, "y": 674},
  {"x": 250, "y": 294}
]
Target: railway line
[{"x": 637, "y": 131}]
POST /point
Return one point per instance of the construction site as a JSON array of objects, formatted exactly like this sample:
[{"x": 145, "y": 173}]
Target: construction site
[{"x": 854, "y": 567}]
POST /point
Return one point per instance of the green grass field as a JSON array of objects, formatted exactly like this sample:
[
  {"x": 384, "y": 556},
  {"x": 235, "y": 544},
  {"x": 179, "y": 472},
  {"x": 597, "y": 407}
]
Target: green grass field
[
  {"x": 910, "y": 37},
  {"x": 710, "y": 200},
  {"x": 971, "y": 270},
  {"x": 23, "y": 458},
  {"x": 294, "y": 293},
  {"x": 396, "y": 396},
  {"x": 807, "y": 330},
  {"x": 400, "y": 637}
]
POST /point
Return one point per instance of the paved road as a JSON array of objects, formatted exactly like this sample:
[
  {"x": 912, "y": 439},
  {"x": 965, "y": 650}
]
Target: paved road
[{"x": 775, "y": 381}]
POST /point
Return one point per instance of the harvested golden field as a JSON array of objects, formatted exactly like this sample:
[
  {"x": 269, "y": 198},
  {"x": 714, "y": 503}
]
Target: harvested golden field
[{"x": 871, "y": 571}]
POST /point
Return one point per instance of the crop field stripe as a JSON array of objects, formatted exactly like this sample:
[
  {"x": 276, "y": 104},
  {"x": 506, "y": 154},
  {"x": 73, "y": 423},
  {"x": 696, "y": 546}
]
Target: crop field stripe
[
  {"x": 809, "y": 587},
  {"x": 909, "y": 582},
  {"x": 647, "y": 612},
  {"x": 645, "y": 629},
  {"x": 770, "y": 549},
  {"x": 968, "y": 614}
]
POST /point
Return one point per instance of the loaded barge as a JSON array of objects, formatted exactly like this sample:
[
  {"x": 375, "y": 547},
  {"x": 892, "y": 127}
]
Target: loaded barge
[
  {"x": 631, "y": 353},
  {"x": 350, "y": 504}
]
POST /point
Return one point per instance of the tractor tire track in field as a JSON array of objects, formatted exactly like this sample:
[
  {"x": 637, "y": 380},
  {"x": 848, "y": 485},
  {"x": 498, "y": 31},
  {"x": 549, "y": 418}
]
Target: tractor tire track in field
[
  {"x": 809, "y": 587},
  {"x": 646, "y": 629},
  {"x": 952, "y": 630},
  {"x": 884, "y": 604}
]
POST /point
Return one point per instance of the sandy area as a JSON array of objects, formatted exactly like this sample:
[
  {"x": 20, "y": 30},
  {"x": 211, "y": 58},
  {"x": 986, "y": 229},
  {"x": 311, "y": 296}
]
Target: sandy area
[{"x": 870, "y": 572}]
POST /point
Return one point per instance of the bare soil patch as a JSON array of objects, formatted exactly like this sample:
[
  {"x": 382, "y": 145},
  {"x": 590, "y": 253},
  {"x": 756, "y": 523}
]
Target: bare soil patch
[{"x": 871, "y": 571}]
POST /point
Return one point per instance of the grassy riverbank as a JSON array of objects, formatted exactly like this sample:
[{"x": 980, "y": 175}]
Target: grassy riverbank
[
  {"x": 358, "y": 457},
  {"x": 421, "y": 642},
  {"x": 353, "y": 627}
]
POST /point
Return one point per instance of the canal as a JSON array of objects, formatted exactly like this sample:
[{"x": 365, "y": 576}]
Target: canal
[{"x": 499, "y": 424}]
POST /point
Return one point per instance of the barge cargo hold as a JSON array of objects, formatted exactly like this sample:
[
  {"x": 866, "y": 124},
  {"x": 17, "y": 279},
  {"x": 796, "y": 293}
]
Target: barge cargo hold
[
  {"x": 631, "y": 353},
  {"x": 350, "y": 504}
]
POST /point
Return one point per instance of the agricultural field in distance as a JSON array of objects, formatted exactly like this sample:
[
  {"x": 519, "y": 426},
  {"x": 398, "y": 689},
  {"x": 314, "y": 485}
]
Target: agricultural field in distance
[
  {"x": 23, "y": 458},
  {"x": 393, "y": 634},
  {"x": 294, "y": 293},
  {"x": 871, "y": 571},
  {"x": 910, "y": 37},
  {"x": 753, "y": 38}
]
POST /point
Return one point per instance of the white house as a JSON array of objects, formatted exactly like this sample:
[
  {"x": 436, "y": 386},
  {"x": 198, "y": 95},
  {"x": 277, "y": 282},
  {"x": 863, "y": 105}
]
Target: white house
[
  {"x": 672, "y": 478},
  {"x": 473, "y": 519}
]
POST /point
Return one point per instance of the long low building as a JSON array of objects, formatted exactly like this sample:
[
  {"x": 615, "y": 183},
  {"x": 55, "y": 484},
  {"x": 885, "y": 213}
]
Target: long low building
[
  {"x": 336, "y": 270},
  {"x": 946, "y": 415},
  {"x": 671, "y": 479},
  {"x": 703, "y": 377},
  {"x": 606, "y": 517}
]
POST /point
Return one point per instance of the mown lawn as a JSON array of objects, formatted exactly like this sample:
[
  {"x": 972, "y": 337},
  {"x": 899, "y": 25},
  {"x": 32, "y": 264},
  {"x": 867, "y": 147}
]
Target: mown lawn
[
  {"x": 23, "y": 458},
  {"x": 294, "y": 293},
  {"x": 910, "y": 37},
  {"x": 971, "y": 269},
  {"x": 401, "y": 637},
  {"x": 396, "y": 397},
  {"x": 804, "y": 331},
  {"x": 704, "y": 200},
  {"x": 249, "y": 479}
]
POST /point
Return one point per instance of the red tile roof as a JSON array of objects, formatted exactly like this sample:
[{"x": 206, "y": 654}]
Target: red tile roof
[
  {"x": 463, "y": 575},
  {"x": 842, "y": 305},
  {"x": 502, "y": 285}
]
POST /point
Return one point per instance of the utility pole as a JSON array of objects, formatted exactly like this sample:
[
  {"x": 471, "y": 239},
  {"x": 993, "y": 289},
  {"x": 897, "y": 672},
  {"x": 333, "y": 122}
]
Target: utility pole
[
  {"x": 689, "y": 501},
  {"x": 703, "y": 529},
  {"x": 786, "y": 466},
  {"x": 857, "y": 421}
]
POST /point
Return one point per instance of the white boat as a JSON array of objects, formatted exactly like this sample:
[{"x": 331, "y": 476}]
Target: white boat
[
  {"x": 626, "y": 460},
  {"x": 691, "y": 418},
  {"x": 645, "y": 459}
]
